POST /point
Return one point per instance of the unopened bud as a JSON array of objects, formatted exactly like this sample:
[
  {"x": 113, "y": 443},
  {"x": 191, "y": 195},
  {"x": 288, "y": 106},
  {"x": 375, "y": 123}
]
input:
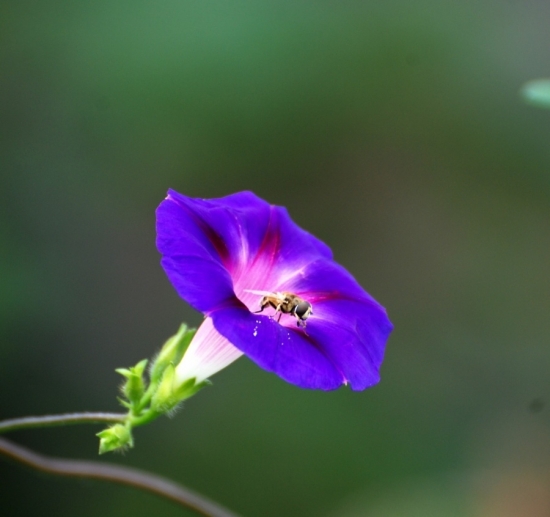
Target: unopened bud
[
  {"x": 115, "y": 437},
  {"x": 134, "y": 387}
]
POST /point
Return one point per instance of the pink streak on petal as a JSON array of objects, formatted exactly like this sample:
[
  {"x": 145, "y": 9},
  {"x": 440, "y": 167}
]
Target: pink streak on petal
[
  {"x": 208, "y": 353},
  {"x": 260, "y": 273}
]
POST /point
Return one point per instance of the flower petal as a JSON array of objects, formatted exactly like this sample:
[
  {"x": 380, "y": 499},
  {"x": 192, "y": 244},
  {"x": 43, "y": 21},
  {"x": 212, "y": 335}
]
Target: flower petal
[
  {"x": 190, "y": 259},
  {"x": 288, "y": 352}
]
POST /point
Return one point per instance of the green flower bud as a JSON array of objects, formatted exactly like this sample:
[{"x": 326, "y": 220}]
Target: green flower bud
[
  {"x": 172, "y": 352},
  {"x": 134, "y": 387},
  {"x": 115, "y": 437}
]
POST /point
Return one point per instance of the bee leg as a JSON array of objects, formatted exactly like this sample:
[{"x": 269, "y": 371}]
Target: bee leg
[
  {"x": 300, "y": 323},
  {"x": 279, "y": 318},
  {"x": 263, "y": 305}
]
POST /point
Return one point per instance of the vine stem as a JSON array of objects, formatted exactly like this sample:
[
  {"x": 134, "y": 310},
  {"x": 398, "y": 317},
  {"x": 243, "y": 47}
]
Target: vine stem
[
  {"x": 132, "y": 477},
  {"x": 30, "y": 422},
  {"x": 117, "y": 474}
]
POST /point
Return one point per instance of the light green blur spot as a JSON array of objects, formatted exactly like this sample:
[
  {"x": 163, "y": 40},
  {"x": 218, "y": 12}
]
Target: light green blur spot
[{"x": 537, "y": 93}]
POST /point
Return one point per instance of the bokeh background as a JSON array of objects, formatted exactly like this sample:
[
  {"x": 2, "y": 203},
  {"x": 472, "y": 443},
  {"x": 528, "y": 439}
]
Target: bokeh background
[{"x": 393, "y": 131}]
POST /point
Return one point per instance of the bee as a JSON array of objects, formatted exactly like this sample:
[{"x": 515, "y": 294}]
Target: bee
[{"x": 285, "y": 303}]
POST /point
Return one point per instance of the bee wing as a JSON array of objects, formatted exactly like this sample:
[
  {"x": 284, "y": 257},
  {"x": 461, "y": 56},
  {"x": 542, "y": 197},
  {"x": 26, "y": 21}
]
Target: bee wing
[{"x": 259, "y": 293}]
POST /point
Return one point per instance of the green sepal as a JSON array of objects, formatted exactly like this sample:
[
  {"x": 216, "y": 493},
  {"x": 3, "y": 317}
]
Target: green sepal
[
  {"x": 168, "y": 395},
  {"x": 138, "y": 369},
  {"x": 171, "y": 352},
  {"x": 163, "y": 399},
  {"x": 124, "y": 403},
  {"x": 117, "y": 436},
  {"x": 124, "y": 372},
  {"x": 189, "y": 388}
]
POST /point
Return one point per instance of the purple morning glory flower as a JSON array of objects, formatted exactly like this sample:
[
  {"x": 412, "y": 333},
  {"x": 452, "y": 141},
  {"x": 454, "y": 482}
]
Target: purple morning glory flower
[{"x": 222, "y": 254}]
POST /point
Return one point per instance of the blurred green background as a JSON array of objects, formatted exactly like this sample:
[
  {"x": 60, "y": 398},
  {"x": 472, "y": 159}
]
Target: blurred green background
[{"x": 393, "y": 131}]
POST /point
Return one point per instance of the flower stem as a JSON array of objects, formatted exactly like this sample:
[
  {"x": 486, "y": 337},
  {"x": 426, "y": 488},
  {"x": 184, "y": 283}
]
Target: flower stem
[
  {"x": 30, "y": 422},
  {"x": 116, "y": 474},
  {"x": 144, "y": 418}
]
